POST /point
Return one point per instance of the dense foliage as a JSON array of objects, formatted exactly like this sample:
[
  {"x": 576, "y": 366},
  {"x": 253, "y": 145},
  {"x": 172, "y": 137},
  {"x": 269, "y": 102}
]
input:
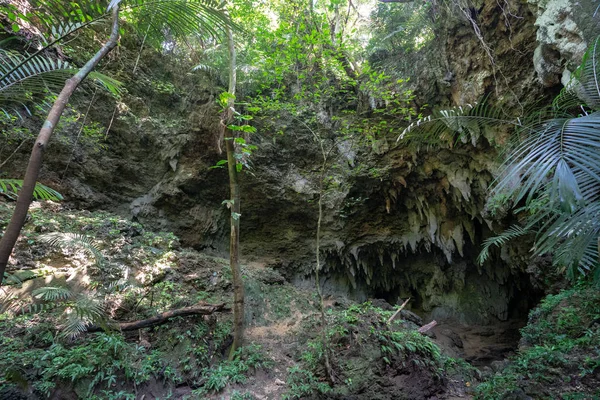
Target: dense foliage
[{"x": 328, "y": 78}]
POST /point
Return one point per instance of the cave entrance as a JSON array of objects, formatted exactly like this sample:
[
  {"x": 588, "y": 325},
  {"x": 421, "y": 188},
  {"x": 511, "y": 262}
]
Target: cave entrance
[{"x": 479, "y": 313}]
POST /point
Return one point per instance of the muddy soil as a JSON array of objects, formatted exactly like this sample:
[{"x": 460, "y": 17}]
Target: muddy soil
[{"x": 479, "y": 345}]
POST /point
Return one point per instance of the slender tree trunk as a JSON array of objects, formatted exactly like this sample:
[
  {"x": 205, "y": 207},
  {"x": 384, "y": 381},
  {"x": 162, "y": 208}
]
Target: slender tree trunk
[
  {"x": 234, "y": 189},
  {"x": 328, "y": 368},
  {"x": 11, "y": 234}
]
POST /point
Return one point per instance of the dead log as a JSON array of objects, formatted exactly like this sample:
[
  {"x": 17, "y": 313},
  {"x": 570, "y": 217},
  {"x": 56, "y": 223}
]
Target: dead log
[
  {"x": 197, "y": 309},
  {"x": 427, "y": 327},
  {"x": 389, "y": 321}
]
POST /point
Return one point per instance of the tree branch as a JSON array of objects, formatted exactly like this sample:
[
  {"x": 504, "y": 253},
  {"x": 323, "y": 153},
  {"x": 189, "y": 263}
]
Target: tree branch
[{"x": 197, "y": 309}]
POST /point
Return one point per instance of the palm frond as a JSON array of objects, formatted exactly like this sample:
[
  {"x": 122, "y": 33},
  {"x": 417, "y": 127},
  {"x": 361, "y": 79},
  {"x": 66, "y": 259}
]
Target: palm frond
[
  {"x": 588, "y": 77},
  {"x": 35, "y": 308},
  {"x": 110, "y": 84},
  {"x": 85, "y": 311},
  {"x": 167, "y": 19},
  {"x": 74, "y": 241},
  {"x": 11, "y": 279},
  {"x": 52, "y": 296},
  {"x": 207, "y": 69},
  {"x": 54, "y": 20},
  {"x": 11, "y": 187},
  {"x": 74, "y": 326},
  {"x": 7, "y": 302},
  {"x": 511, "y": 233},
  {"x": 560, "y": 158},
  {"x": 52, "y": 293},
  {"x": 573, "y": 239},
  {"x": 23, "y": 76},
  {"x": 119, "y": 285},
  {"x": 463, "y": 123}
]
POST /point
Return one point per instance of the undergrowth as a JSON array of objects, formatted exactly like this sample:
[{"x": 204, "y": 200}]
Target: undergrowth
[
  {"x": 560, "y": 352},
  {"x": 141, "y": 274},
  {"x": 366, "y": 350},
  {"x": 107, "y": 365}
]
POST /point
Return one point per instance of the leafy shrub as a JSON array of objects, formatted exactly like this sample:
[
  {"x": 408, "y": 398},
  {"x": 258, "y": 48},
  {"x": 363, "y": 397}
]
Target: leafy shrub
[
  {"x": 562, "y": 349},
  {"x": 246, "y": 359}
]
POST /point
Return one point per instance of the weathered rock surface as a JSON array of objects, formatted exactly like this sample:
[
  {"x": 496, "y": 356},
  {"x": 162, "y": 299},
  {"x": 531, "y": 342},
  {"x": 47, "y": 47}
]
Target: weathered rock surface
[{"x": 398, "y": 224}]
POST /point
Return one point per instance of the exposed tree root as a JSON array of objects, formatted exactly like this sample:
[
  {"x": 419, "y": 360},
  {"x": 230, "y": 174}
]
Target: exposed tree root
[{"x": 197, "y": 309}]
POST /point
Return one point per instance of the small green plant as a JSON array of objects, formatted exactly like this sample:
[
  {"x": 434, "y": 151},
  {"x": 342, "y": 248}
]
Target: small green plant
[
  {"x": 246, "y": 359},
  {"x": 302, "y": 383},
  {"x": 561, "y": 349},
  {"x": 235, "y": 395}
]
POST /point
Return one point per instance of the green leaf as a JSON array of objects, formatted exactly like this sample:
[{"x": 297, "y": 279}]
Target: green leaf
[
  {"x": 10, "y": 188},
  {"x": 219, "y": 164}
]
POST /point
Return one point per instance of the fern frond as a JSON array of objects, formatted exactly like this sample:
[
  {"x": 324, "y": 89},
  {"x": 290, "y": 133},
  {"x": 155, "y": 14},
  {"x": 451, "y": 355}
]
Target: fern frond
[
  {"x": 511, "y": 233},
  {"x": 11, "y": 187},
  {"x": 52, "y": 293},
  {"x": 74, "y": 241}
]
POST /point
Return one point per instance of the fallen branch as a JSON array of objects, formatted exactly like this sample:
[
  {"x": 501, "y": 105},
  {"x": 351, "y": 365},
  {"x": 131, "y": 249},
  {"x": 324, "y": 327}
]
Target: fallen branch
[
  {"x": 197, "y": 309},
  {"x": 389, "y": 321},
  {"x": 427, "y": 327}
]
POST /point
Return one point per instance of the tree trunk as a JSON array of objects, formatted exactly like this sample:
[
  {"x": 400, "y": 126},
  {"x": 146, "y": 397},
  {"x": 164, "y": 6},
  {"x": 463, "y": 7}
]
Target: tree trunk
[
  {"x": 25, "y": 195},
  {"x": 234, "y": 239},
  {"x": 328, "y": 368}
]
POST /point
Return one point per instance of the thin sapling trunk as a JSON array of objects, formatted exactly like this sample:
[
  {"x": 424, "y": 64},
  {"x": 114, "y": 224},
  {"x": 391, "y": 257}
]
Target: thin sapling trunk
[{"x": 234, "y": 239}]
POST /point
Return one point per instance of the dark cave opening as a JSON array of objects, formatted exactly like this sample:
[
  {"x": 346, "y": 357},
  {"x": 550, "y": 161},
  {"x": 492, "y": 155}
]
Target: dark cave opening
[{"x": 479, "y": 311}]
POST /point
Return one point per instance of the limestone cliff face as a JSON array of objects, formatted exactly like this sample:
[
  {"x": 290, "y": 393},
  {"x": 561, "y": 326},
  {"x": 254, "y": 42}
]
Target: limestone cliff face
[{"x": 398, "y": 222}]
